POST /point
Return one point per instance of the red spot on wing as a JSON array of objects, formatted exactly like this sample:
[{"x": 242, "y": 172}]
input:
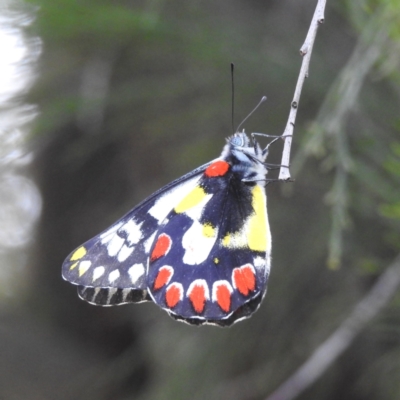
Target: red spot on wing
[
  {"x": 161, "y": 247},
  {"x": 198, "y": 298},
  {"x": 172, "y": 295},
  {"x": 244, "y": 279},
  {"x": 163, "y": 277},
  {"x": 223, "y": 296},
  {"x": 217, "y": 168}
]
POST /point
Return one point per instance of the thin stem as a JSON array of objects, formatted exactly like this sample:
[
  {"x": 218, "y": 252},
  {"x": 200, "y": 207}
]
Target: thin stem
[
  {"x": 305, "y": 51},
  {"x": 331, "y": 124},
  {"x": 344, "y": 93}
]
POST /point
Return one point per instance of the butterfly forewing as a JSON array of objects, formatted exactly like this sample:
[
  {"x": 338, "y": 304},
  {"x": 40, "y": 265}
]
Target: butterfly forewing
[{"x": 118, "y": 257}]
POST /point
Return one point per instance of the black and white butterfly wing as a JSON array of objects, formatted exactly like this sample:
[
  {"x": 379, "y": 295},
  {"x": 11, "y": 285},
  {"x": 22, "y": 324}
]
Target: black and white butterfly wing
[
  {"x": 210, "y": 261},
  {"x": 111, "y": 268}
]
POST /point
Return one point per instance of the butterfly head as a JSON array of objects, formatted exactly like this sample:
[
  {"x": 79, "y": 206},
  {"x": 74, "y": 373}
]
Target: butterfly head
[
  {"x": 239, "y": 139},
  {"x": 245, "y": 156}
]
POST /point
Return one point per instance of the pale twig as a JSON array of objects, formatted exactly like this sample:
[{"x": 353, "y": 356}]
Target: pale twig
[
  {"x": 344, "y": 93},
  {"x": 331, "y": 122},
  {"x": 323, "y": 357},
  {"x": 305, "y": 51}
]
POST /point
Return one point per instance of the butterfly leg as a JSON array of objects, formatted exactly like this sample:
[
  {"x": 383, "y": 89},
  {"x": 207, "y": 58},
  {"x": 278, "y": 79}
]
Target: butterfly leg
[
  {"x": 276, "y": 138},
  {"x": 268, "y": 180}
]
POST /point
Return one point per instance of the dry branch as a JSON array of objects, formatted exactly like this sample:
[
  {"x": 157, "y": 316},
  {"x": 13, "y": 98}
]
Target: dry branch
[{"x": 305, "y": 51}]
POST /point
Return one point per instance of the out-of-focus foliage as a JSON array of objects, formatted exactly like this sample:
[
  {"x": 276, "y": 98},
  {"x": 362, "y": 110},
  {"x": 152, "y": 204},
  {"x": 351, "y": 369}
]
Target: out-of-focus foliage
[
  {"x": 133, "y": 94},
  {"x": 341, "y": 135},
  {"x": 392, "y": 165}
]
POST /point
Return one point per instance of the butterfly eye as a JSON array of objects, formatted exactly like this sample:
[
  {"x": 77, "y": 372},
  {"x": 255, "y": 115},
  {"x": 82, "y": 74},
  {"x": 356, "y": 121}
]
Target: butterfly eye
[
  {"x": 235, "y": 141},
  {"x": 238, "y": 140}
]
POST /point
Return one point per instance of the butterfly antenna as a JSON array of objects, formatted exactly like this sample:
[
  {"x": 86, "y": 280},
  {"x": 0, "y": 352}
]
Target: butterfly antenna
[
  {"x": 264, "y": 98},
  {"x": 233, "y": 96}
]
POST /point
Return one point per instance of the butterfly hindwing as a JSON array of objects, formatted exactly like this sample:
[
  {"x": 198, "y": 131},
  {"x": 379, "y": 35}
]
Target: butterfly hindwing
[{"x": 210, "y": 260}]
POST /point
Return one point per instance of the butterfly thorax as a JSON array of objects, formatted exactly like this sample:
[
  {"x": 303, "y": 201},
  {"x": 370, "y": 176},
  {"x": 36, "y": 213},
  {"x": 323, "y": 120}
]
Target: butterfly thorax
[{"x": 247, "y": 160}]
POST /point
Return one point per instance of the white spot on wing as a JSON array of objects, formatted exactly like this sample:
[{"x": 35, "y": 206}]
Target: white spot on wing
[
  {"x": 133, "y": 231},
  {"x": 97, "y": 273},
  {"x": 135, "y": 272},
  {"x": 259, "y": 262},
  {"x": 196, "y": 211},
  {"x": 85, "y": 296},
  {"x": 84, "y": 266},
  {"x": 114, "y": 275},
  {"x": 197, "y": 246},
  {"x": 262, "y": 264},
  {"x": 238, "y": 240},
  {"x": 96, "y": 292},
  {"x": 110, "y": 294},
  {"x": 114, "y": 245},
  {"x": 124, "y": 253},
  {"x": 108, "y": 234},
  {"x": 125, "y": 293},
  {"x": 170, "y": 199}
]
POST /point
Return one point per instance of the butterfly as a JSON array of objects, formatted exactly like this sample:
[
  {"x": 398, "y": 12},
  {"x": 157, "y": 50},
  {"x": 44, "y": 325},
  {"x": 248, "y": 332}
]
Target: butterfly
[{"x": 199, "y": 247}]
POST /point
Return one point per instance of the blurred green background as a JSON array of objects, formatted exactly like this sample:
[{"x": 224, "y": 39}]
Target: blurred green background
[{"x": 110, "y": 100}]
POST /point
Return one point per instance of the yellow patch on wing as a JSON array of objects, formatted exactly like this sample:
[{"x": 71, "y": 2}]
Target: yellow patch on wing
[
  {"x": 78, "y": 254},
  {"x": 73, "y": 266},
  {"x": 258, "y": 234},
  {"x": 226, "y": 240},
  {"x": 208, "y": 230},
  {"x": 191, "y": 200},
  {"x": 255, "y": 233}
]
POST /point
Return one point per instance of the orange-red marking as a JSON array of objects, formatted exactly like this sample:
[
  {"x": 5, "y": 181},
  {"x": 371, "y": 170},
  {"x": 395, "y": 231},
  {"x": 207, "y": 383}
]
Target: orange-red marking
[
  {"x": 162, "y": 247},
  {"x": 163, "y": 277},
  {"x": 223, "y": 296},
  {"x": 173, "y": 295},
  {"x": 244, "y": 279},
  {"x": 198, "y": 298},
  {"x": 217, "y": 168}
]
